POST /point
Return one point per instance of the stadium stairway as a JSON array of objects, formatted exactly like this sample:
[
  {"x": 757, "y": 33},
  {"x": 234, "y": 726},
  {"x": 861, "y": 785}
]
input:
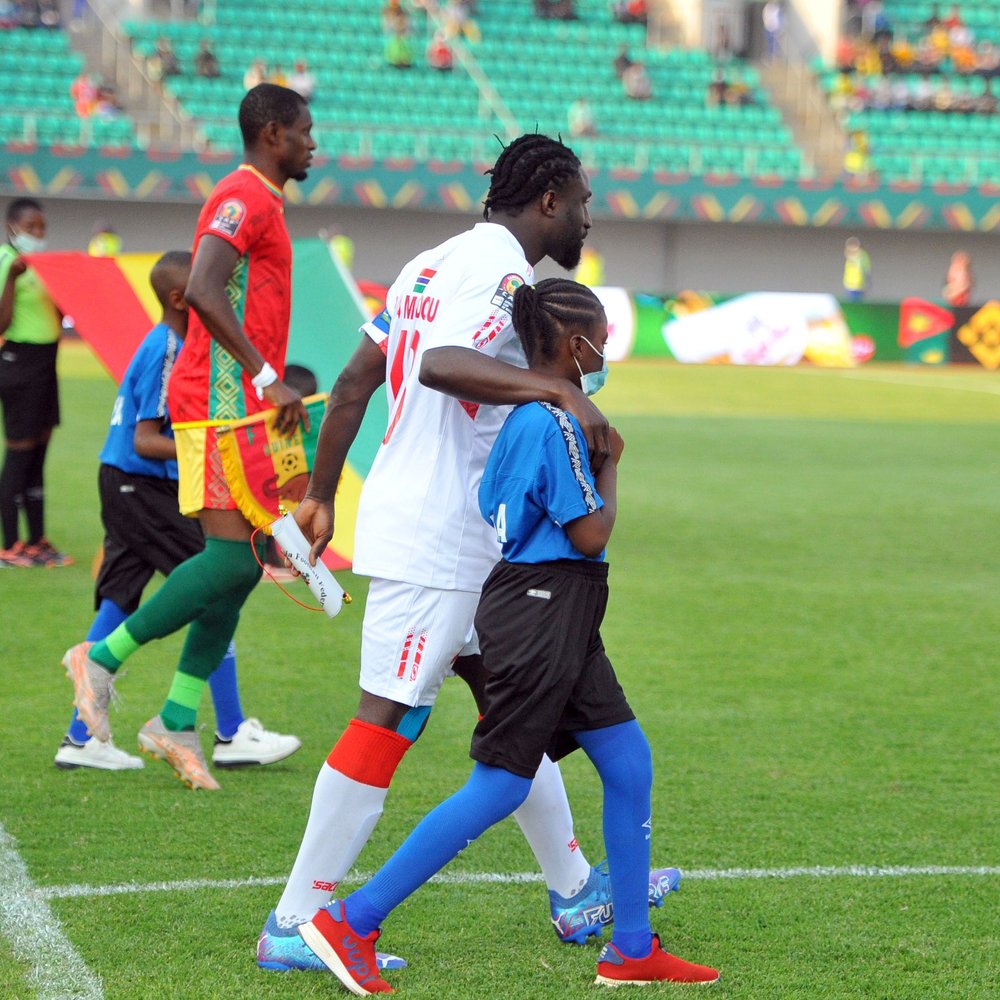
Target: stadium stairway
[{"x": 815, "y": 127}]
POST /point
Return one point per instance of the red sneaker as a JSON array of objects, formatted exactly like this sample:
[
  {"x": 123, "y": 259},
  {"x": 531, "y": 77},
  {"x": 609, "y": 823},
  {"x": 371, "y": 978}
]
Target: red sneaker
[
  {"x": 614, "y": 969},
  {"x": 17, "y": 555},
  {"x": 350, "y": 957},
  {"x": 46, "y": 554}
]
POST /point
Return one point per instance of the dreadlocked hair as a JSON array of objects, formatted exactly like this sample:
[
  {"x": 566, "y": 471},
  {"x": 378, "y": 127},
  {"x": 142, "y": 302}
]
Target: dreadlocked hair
[
  {"x": 525, "y": 170},
  {"x": 550, "y": 310}
]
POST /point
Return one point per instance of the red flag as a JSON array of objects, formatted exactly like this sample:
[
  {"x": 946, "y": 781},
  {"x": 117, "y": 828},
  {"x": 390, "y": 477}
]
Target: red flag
[
  {"x": 104, "y": 306},
  {"x": 919, "y": 319}
]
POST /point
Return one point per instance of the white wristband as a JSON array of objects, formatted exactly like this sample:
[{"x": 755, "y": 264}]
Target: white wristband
[{"x": 265, "y": 377}]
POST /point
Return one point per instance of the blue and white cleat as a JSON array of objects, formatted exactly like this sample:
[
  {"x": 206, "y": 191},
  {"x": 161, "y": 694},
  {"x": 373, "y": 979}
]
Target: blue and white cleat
[
  {"x": 281, "y": 949},
  {"x": 591, "y": 908}
]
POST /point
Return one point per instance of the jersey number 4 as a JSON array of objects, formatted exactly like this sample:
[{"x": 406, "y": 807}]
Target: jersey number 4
[{"x": 500, "y": 523}]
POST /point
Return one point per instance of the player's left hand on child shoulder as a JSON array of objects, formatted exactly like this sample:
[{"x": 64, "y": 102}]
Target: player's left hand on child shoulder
[{"x": 617, "y": 444}]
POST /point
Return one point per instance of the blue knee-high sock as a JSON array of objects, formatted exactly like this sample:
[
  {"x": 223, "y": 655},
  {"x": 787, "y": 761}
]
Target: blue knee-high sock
[
  {"x": 490, "y": 795},
  {"x": 226, "y": 695},
  {"x": 109, "y": 616},
  {"x": 622, "y": 757}
]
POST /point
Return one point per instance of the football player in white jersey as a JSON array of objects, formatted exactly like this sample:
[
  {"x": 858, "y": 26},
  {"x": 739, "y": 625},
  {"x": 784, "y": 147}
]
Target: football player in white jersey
[{"x": 452, "y": 366}]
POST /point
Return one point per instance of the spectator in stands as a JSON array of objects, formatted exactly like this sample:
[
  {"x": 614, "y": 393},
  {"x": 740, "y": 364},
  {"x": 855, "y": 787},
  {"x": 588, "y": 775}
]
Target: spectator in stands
[
  {"x": 302, "y": 81},
  {"x": 857, "y": 159},
  {"x": 987, "y": 59},
  {"x": 986, "y": 102},
  {"x": 718, "y": 90},
  {"x": 842, "y": 99},
  {"x": 940, "y": 41},
  {"x": 960, "y": 36},
  {"x": 933, "y": 19},
  {"x": 439, "y": 54},
  {"x": 963, "y": 102},
  {"x": 902, "y": 52},
  {"x": 49, "y": 15},
  {"x": 773, "y": 17},
  {"x": 958, "y": 281},
  {"x": 622, "y": 61},
  {"x": 206, "y": 63},
  {"x": 84, "y": 94},
  {"x": 922, "y": 94},
  {"x": 256, "y": 74},
  {"x": 857, "y": 270},
  {"x": 636, "y": 82},
  {"x": 944, "y": 97},
  {"x": 8, "y": 15},
  {"x": 36, "y": 14},
  {"x": 276, "y": 75},
  {"x": 555, "y": 10},
  {"x": 394, "y": 18},
  {"x": 869, "y": 11},
  {"x": 954, "y": 18},
  {"x": 963, "y": 59},
  {"x": 866, "y": 59},
  {"x": 880, "y": 98},
  {"x": 163, "y": 62},
  {"x": 738, "y": 94},
  {"x": 885, "y": 54},
  {"x": 928, "y": 57},
  {"x": 900, "y": 94},
  {"x": 106, "y": 104},
  {"x": 630, "y": 11},
  {"x": 398, "y": 50},
  {"x": 457, "y": 18},
  {"x": 581, "y": 118}
]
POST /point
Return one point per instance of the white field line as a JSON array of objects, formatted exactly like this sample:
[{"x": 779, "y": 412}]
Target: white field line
[
  {"x": 511, "y": 878},
  {"x": 915, "y": 380},
  {"x": 26, "y": 921}
]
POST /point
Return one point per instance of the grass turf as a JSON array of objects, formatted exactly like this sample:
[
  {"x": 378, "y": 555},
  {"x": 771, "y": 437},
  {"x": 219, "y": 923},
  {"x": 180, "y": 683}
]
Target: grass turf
[{"x": 803, "y": 613}]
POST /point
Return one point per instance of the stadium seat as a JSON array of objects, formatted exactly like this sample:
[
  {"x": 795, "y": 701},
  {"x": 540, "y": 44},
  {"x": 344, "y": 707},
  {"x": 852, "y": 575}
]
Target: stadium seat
[{"x": 356, "y": 90}]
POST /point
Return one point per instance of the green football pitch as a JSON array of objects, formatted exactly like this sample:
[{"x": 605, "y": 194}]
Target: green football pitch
[{"x": 804, "y": 614}]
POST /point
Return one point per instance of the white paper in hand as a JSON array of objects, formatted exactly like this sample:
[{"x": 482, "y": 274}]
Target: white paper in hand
[{"x": 289, "y": 538}]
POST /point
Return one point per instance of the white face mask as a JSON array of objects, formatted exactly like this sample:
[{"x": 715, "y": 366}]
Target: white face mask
[{"x": 26, "y": 243}]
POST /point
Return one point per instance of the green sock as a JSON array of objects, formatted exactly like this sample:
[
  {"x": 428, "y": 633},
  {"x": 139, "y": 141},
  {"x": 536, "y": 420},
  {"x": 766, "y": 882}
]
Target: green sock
[
  {"x": 180, "y": 710},
  {"x": 224, "y": 571},
  {"x": 113, "y": 650}
]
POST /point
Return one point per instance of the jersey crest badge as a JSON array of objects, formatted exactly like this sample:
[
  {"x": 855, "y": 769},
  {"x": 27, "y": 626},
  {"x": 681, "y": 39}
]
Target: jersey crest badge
[
  {"x": 503, "y": 297},
  {"x": 228, "y": 217}
]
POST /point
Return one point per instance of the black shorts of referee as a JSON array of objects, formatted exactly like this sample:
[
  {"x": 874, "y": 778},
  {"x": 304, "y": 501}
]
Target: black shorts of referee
[
  {"x": 144, "y": 533},
  {"x": 29, "y": 390},
  {"x": 548, "y": 675}
]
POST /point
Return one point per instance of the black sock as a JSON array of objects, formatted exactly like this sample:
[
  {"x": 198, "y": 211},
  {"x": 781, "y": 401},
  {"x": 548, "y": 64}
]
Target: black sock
[
  {"x": 34, "y": 495},
  {"x": 13, "y": 482}
]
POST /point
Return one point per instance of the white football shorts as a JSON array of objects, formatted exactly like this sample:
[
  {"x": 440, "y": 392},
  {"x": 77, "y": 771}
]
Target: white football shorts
[{"x": 410, "y": 638}]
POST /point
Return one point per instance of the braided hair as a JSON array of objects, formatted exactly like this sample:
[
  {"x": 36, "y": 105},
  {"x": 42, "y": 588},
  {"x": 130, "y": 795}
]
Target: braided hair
[
  {"x": 525, "y": 170},
  {"x": 550, "y": 310}
]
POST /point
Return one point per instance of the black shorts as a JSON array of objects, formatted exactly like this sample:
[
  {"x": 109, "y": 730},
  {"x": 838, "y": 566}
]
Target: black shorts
[
  {"x": 144, "y": 532},
  {"x": 28, "y": 389},
  {"x": 548, "y": 676}
]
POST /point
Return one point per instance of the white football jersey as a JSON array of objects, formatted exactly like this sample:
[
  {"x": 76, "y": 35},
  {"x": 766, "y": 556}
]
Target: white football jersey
[{"x": 418, "y": 518}]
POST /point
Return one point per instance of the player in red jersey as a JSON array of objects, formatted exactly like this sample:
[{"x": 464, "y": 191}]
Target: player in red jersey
[{"x": 240, "y": 298}]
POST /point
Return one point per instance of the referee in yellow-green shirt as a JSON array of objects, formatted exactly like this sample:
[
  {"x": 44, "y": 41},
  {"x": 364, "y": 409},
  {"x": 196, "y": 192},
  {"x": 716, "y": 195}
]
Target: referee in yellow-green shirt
[{"x": 30, "y": 326}]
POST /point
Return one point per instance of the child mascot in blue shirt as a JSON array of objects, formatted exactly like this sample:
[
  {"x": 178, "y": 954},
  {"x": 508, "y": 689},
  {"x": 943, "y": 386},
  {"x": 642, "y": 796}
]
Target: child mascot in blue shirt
[{"x": 551, "y": 687}]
